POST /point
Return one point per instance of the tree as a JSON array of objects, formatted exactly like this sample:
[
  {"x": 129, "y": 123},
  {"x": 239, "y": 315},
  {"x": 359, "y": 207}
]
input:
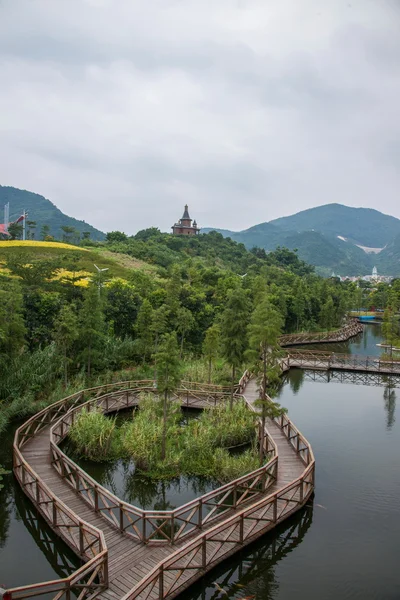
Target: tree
[
  {"x": 116, "y": 236},
  {"x": 121, "y": 308},
  {"x": 144, "y": 331},
  {"x": 15, "y": 230},
  {"x": 68, "y": 233},
  {"x": 391, "y": 325},
  {"x": 65, "y": 334},
  {"x": 158, "y": 326},
  {"x": 327, "y": 314},
  {"x": 184, "y": 323},
  {"x": 31, "y": 229},
  {"x": 234, "y": 331},
  {"x": 211, "y": 346},
  {"x": 264, "y": 330},
  {"x": 91, "y": 328},
  {"x": 86, "y": 235},
  {"x": 45, "y": 231},
  {"x": 12, "y": 328},
  {"x": 168, "y": 377}
]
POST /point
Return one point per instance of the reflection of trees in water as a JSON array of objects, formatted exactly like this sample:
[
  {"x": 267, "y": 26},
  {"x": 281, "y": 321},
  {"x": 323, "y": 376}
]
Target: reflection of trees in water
[
  {"x": 163, "y": 495},
  {"x": 296, "y": 380},
  {"x": 5, "y": 508},
  {"x": 389, "y": 396},
  {"x": 61, "y": 558},
  {"x": 251, "y": 571}
]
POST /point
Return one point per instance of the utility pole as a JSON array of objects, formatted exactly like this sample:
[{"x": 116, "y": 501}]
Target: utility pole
[
  {"x": 6, "y": 216},
  {"x": 24, "y": 214}
]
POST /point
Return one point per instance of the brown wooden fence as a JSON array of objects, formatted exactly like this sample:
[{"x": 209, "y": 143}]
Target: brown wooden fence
[{"x": 353, "y": 328}]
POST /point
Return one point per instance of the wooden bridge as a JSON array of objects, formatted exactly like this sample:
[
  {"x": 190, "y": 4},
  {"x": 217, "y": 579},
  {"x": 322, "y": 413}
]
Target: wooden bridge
[
  {"x": 311, "y": 359},
  {"x": 131, "y": 553},
  {"x": 351, "y": 329}
]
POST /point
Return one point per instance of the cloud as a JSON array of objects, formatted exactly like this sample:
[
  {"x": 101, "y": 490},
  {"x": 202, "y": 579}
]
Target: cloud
[{"x": 121, "y": 111}]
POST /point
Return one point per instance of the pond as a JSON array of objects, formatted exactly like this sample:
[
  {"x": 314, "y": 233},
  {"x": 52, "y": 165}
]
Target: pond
[
  {"x": 344, "y": 544},
  {"x": 29, "y": 550}
]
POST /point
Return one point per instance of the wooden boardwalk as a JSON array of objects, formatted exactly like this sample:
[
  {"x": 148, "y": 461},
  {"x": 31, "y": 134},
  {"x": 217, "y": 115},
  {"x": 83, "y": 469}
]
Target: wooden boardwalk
[
  {"x": 129, "y": 553},
  {"x": 314, "y": 360}
]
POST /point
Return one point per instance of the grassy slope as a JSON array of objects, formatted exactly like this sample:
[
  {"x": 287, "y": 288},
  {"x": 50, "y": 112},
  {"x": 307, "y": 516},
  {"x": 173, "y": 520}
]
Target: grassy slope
[{"x": 119, "y": 265}]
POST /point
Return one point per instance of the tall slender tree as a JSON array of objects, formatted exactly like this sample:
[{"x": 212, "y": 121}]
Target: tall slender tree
[
  {"x": 184, "y": 324},
  {"x": 65, "y": 334},
  {"x": 234, "y": 332},
  {"x": 211, "y": 346},
  {"x": 168, "y": 377},
  {"x": 91, "y": 328},
  {"x": 143, "y": 330},
  {"x": 264, "y": 330}
]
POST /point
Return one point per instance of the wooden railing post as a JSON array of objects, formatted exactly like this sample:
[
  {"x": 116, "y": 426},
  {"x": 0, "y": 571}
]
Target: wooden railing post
[
  {"x": 121, "y": 518},
  {"x": 81, "y": 541},
  {"x": 200, "y": 524},
  {"x": 144, "y": 528},
  {"x": 96, "y": 499},
  {"x": 301, "y": 490},
  {"x": 161, "y": 582},
  {"x": 275, "y": 509},
  {"x": 54, "y": 513},
  {"x": 241, "y": 529}
]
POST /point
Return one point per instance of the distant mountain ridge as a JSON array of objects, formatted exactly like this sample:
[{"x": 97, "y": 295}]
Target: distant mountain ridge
[
  {"x": 44, "y": 212},
  {"x": 330, "y": 237}
]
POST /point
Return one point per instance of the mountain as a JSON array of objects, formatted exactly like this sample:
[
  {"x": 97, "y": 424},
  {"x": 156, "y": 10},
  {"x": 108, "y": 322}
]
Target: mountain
[
  {"x": 42, "y": 211},
  {"x": 333, "y": 237},
  {"x": 362, "y": 226}
]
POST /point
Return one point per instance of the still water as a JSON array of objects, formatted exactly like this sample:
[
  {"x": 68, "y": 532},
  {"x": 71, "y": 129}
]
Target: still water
[{"x": 344, "y": 544}]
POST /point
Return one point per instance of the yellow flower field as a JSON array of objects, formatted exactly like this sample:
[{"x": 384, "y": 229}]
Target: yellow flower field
[{"x": 36, "y": 244}]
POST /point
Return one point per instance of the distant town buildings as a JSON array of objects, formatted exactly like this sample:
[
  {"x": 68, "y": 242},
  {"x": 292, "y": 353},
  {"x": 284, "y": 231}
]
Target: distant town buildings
[
  {"x": 374, "y": 278},
  {"x": 184, "y": 225}
]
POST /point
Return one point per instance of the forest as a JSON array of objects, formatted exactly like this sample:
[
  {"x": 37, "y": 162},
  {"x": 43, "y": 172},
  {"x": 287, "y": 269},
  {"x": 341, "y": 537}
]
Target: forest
[{"x": 60, "y": 333}]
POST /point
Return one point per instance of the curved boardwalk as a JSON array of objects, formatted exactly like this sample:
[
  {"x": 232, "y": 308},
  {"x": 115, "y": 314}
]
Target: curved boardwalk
[{"x": 108, "y": 534}]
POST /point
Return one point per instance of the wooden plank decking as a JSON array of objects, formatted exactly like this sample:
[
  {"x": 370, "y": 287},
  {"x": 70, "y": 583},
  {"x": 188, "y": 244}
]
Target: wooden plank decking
[{"x": 133, "y": 569}]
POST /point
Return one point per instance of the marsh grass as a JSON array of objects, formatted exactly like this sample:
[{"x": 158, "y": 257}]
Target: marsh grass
[
  {"x": 199, "y": 447},
  {"x": 95, "y": 436}
]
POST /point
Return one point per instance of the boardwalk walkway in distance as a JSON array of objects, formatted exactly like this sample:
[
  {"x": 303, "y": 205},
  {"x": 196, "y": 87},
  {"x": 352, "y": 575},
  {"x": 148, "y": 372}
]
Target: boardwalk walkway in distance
[
  {"x": 76, "y": 507},
  {"x": 315, "y": 360}
]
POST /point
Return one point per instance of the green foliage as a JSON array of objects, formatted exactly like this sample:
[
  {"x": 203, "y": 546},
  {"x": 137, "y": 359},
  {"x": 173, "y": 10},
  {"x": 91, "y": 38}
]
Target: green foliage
[
  {"x": 234, "y": 330},
  {"x": 66, "y": 332},
  {"x": 211, "y": 347},
  {"x": 91, "y": 330},
  {"x": 199, "y": 448},
  {"x": 121, "y": 306},
  {"x": 12, "y": 327},
  {"x": 95, "y": 436},
  {"x": 2, "y": 473},
  {"x": 15, "y": 231}
]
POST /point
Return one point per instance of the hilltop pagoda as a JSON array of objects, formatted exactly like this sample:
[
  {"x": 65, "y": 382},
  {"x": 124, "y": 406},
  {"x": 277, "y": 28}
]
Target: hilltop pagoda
[{"x": 184, "y": 225}]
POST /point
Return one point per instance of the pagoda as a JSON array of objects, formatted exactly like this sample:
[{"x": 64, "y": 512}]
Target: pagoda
[{"x": 184, "y": 225}]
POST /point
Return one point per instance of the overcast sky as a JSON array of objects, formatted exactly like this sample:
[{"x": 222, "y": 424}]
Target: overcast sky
[{"x": 122, "y": 111}]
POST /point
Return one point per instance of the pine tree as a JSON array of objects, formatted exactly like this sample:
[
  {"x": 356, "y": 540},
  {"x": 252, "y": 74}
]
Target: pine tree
[
  {"x": 158, "y": 327},
  {"x": 234, "y": 332},
  {"x": 12, "y": 327},
  {"x": 65, "y": 334},
  {"x": 211, "y": 346},
  {"x": 184, "y": 323},
  {"x": 264, "y": 330},
  {"x": 144, "y": 330},
  {"x": 168, "y": 377},
  {"x": 91, "y": 328}
]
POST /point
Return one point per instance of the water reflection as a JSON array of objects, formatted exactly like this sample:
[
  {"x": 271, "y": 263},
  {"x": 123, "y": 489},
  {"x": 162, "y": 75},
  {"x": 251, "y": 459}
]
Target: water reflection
[
  {"x": 252, "y": 569},
  {"x": 58, "y": 554},
  {"x": 389, "y": 396}
]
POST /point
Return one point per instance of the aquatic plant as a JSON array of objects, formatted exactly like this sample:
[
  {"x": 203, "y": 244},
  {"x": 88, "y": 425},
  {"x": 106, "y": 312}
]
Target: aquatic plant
[{"x": 95, "y": 436}]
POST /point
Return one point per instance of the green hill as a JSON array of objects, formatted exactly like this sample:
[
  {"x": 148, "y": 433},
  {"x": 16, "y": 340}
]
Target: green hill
[
  {"x": 363, "y": 226},
  {"x": 329, "y": 237},
  {"x": 43, "y": 212}
]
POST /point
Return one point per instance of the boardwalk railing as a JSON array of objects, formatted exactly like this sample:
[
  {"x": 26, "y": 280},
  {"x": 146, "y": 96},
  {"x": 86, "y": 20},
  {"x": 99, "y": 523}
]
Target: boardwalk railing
[
  {"x": 312, "y": 359},
  {"x": 177, "y": 572},
  {"x": 353, "y": 328},
  {"x": 149, "y": 526}
]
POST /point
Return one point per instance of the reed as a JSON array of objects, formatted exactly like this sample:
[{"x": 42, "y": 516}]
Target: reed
[{"x": 95, "y": 436}]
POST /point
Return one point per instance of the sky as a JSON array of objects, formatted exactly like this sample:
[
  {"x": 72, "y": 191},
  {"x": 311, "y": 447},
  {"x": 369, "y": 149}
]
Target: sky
[{"x": 122, "y": 111}]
